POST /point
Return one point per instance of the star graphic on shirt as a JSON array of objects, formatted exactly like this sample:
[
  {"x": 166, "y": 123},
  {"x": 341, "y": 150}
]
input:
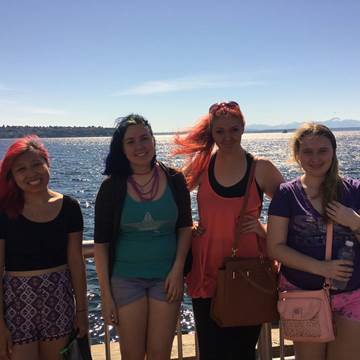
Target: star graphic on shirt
[{"x": 147, "y": 224}]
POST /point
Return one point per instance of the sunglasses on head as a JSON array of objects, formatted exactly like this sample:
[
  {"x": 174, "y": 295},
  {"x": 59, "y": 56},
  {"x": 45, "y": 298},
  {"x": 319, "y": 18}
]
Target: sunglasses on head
[{"x": 231, "y": 105}]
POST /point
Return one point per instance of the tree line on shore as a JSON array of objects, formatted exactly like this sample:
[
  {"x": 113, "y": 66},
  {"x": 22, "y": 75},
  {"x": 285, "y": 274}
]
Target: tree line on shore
[{"x": 10, "y": 132}]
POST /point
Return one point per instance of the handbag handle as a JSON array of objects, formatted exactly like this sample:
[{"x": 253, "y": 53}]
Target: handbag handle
[
  {"x": 273, "y": 284},
  {"x": 240, "y": 218},
  {"x": 328, "y": 248}
]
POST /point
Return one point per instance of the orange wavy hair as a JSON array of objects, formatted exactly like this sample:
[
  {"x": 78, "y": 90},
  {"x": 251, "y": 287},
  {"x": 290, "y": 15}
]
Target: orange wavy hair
[{"x": 197, "y": 145}]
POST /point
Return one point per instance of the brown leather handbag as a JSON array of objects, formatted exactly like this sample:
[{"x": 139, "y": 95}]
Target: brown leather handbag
[{"x": 246, "y": 288}]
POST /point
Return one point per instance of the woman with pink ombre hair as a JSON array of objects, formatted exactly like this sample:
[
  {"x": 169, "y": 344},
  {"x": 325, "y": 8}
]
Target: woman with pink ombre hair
[{"x": 42, "y": 272}]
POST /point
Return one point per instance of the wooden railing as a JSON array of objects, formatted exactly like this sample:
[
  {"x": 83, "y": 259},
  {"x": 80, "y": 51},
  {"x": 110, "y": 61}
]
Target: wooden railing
[
  {"x": 88, "y": 252},
  {"x": 264, "y": 344}
]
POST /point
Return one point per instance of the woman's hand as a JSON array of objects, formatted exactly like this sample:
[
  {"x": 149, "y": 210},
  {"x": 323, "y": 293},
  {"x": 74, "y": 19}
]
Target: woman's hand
[
  {"x": 336, "y": 269},
  {"x": 197, "y": 230},
  {"x": 109, "y": 310},
  {"x": 253, "y": 224},
  {"x": 343, "y": 215},
  {"x": 5, "y": 343},
  {"x": 174, "y": 285},
  {"x": 82, "y": 323}
]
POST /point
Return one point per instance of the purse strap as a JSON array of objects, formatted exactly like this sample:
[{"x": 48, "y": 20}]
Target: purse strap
[
  {"x": 240, "y": 218},
  {"x": 328, "y": 249}
]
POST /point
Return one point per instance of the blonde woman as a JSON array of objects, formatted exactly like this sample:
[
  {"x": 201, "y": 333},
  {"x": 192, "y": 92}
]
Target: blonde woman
[{"x": 298, "y": 215}]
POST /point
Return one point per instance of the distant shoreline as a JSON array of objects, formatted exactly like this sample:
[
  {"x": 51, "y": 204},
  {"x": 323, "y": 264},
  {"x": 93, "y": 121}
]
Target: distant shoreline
[{"x": 11, "y": 132}]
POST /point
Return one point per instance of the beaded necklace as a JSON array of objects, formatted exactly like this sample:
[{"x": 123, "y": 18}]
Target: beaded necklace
[{"x": 140, "y": 189}]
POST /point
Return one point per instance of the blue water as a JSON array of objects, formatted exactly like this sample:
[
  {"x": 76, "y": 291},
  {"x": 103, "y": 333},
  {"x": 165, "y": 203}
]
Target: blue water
[{"x": 77, "y": 163}]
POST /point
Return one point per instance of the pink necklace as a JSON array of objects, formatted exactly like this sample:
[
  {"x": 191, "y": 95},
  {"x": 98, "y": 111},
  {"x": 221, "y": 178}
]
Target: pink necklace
[
  {"x": 140, "y": 189},
  {"x": 143, "y": 173},
  {"x": 147, "y": 183}
]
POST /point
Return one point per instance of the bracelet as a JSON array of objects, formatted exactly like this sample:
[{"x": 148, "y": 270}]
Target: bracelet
[{"x": 82, "y": 310}]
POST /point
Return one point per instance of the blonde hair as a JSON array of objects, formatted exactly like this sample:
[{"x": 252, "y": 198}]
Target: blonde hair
[{"x": 330, "y": 189}]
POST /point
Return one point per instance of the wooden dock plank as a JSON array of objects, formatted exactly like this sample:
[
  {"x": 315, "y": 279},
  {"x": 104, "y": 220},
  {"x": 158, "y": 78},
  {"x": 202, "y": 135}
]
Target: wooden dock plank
[
  {"x": 188, "y": 340},
  {"x": 98, "y": 351}
]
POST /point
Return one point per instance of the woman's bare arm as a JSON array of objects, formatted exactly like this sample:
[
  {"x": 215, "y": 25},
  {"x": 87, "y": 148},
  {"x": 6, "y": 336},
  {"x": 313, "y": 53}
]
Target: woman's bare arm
[
  {"x": 175, "y": 280},
  {"x": 277, "y": 230},
  {"x": 108, "y": 306},
  {"x": 267, "y": 176},
  {"x": 78, "y": 278}
]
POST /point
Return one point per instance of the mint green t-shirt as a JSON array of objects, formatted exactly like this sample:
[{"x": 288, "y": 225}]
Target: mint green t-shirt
[{"x": 146, "y": 245}]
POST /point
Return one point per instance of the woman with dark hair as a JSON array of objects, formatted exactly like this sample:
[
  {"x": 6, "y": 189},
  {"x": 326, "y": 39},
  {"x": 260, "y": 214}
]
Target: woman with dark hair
[
  {"x": 298, "y": 215},
  {"x": 219, "y": 166},
  {"x": 41, "y": 263},
  {"x": 142, "y": 235}
]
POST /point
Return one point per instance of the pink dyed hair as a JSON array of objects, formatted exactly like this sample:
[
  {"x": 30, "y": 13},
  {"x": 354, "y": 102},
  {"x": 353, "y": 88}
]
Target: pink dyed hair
[{"x": 11, "y": 197}]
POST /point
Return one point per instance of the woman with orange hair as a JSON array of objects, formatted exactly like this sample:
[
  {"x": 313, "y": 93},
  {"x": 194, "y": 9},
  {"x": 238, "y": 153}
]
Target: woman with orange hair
[{"x": 220, "y": 168}]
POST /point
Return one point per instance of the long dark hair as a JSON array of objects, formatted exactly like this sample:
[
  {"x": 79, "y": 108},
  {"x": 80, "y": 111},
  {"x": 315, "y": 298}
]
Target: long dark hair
[
  {"x": 116, "y": 162},
  {"x": 330, "y": 188}
]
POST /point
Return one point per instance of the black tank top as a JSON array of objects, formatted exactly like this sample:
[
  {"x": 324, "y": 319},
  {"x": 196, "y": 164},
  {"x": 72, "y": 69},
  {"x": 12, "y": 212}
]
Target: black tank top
[{"x": 236, "y": 190}]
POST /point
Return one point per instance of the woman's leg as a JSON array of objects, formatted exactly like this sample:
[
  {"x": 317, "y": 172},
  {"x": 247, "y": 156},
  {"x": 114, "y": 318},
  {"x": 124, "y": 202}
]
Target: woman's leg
[
  {"x": 216, "y": 343},
  {"x": 347, "y": 341},
  {"x": 28, "y": 351},
  {"x": 162, "y": 321},
  {"x": 50, "y": 349},
  {"x": 240, "y": 342},
  {"x": 208, "y": 333},
  {"x": 132, "y": 329},
  {"x": 313, "y": 351},
  {"x": 57, "y": 314}
]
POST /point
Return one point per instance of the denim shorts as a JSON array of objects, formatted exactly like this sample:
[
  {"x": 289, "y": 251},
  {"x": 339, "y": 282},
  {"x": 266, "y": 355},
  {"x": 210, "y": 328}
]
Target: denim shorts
[
  {"x": 128, "y": 290},
  {"x": 346, "y": 304},
  {"x": 38, "y": 308}
]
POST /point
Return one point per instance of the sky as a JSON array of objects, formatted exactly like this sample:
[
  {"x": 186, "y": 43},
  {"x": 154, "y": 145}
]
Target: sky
[{"x": 87, "y": 62}]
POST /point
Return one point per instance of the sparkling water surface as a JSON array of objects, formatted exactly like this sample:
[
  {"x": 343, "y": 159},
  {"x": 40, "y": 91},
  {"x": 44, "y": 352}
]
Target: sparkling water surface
[{"x": 77, "y": 163}]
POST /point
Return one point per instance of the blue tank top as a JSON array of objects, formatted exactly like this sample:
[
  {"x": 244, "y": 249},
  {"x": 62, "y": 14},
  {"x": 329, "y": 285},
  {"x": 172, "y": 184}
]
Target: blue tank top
[{"x": 146, "y": 245}]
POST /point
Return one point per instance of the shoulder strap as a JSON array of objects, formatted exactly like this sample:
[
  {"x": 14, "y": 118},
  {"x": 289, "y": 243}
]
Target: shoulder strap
[
  {"x": 328, "y": 248},
  {"x": 240, "y": 219}
]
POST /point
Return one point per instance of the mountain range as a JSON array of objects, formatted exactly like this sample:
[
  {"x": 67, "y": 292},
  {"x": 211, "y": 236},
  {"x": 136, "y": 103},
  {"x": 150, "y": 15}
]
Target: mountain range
[{"x": 333, "y": 123}]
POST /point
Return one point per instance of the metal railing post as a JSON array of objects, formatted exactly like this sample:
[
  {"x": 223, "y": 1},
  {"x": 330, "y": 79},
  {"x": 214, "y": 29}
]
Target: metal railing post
[
  {"x": 265, "y": 342},
  {"x": 107, "y": 343},
  {"x": 196, "y": 347},
  {"x": 179, "y": 340},
  {"x": 282, "y": 342}
]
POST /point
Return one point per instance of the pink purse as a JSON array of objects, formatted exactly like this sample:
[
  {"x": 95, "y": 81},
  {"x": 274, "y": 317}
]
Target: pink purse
[{"x": 305, "y": 315}]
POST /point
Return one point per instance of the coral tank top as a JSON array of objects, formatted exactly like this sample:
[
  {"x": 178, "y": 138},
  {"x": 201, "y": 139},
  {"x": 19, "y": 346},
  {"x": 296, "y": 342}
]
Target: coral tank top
[{"x": 218, "y": 217}]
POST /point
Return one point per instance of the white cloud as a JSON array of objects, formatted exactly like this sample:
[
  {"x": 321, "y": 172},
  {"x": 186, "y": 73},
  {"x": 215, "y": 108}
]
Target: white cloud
[
  {"x": 10, "y": 101},
  {"x": 185, "y": 84},
  {"x": 42, "y": 110},
  {"x": 5, "y": 88},
  {"x": 15, "y": 108},
  {"x": 6, "y": 102}
]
